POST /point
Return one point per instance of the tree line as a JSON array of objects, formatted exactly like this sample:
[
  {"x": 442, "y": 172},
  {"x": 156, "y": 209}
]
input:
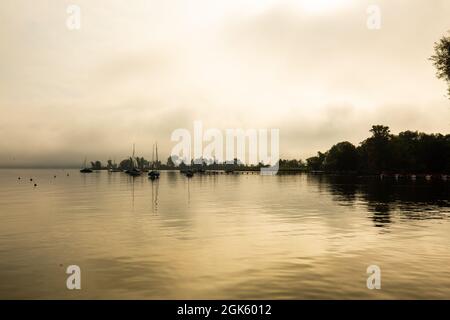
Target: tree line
[
  {"x": 382, "y": 152},
  {"x": 407, "y": 152}
]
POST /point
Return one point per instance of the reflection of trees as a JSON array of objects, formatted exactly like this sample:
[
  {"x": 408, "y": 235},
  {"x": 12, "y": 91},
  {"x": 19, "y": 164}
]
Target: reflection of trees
[
  {"x": 419, "y": 200},
  {"x": 342, "y": 188},
  {"x": 380, "y": 214}
]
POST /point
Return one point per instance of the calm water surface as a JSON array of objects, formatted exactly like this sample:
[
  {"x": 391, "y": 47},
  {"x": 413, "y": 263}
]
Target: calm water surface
[{"x": 224, "y": 236}]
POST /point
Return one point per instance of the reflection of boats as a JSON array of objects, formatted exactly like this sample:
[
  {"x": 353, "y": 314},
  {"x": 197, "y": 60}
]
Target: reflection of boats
[
  {"x": 85, "y": 169},
  {"x": 154, "y": 173},
  {"x": 155, "y": 187},
  {"x": 133, "y": 169},
  {"x": 187, "y": 171}
]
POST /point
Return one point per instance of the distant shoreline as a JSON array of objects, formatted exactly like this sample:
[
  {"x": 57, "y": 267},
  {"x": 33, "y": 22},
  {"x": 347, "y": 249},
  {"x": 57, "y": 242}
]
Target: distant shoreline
[{"x": 387, "y": 175}]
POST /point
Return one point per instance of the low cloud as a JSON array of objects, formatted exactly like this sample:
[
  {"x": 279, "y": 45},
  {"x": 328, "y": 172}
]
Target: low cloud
[{"x": 134, "y": 73}]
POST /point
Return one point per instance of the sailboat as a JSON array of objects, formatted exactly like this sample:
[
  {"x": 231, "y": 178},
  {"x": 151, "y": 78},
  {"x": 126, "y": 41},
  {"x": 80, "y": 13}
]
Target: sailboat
[
  {"x": 133, "y": 170},
  {"x": 114, "y": 167},
  {"x": 154, "y": 173},
  {"x": 85, "y": 169}
]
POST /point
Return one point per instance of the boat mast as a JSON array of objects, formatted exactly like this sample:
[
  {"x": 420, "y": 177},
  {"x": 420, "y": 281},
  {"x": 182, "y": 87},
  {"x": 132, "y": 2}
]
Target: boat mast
[
  {"x": 132, "y": 158},
  {"x": 153, "y": 156}
]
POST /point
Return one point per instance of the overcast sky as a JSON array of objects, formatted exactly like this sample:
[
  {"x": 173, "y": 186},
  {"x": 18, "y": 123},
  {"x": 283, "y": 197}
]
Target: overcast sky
[{"x": 138, "y": 70}]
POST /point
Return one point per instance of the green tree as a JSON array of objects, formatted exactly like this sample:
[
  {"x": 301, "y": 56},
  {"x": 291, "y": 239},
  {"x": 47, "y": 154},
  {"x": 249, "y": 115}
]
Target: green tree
[{"x": 441, "y": 59}]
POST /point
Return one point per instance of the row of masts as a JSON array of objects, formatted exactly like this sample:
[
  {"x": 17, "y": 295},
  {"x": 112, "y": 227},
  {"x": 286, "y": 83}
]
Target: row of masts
[{"x": 134, "y": 169}]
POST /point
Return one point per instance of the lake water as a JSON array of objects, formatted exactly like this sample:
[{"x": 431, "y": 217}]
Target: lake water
[{"x": 221, "y": 236}]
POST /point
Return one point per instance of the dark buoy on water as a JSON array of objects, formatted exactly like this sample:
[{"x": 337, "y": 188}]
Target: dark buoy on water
[
  {"x": 54, "y": 176},
  {"x": 18, "y": 178},
  {"x": 31, "y": 179},
  {"x": 35, "y": 184}
]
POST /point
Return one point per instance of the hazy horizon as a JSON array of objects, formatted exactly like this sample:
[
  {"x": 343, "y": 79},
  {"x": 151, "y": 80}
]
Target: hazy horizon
[{"x": 134, "y": 73}]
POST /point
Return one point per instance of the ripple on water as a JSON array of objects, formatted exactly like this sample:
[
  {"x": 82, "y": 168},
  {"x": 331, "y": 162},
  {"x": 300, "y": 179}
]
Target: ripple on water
[{"x": 224, "y": 236}]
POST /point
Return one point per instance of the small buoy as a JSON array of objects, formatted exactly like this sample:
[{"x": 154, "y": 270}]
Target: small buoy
[
  {"x": 18, "y": 178},
  {"x": 35, "y": 185},
  {"x": 31, "y": 179},
  {"x": 54, "y": 176},
  {"x": 67, "y": 174}
]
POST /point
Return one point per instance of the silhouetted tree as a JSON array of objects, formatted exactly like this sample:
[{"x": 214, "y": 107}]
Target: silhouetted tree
[
  {"x": 374, "y": 152},
  {"x": 405, "y": 149},
  {"x": 341, "y": 157},
  {"x": 170, "y": 163},
  {"x": 441, "y": 59},
  {"x": 407, "y": 152},
  {"x": 316, "y": 163},
  {"x": 97, "y": 165},
  {"x": 291, "y": 164}
]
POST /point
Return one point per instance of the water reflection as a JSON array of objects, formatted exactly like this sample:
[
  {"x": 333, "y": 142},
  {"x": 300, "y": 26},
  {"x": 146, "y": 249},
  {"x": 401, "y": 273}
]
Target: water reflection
[
  {"x": 221, "y": 236},
  {"x": 414, "y": 200},
  {"x": 155, "y": 188}
]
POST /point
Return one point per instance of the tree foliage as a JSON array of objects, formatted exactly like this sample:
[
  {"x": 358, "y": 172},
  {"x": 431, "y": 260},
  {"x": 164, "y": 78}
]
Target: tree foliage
[
  {"x": 441, "y": 59},
  {"x": 341, "y": 157},
  {"x": 407, "y": 152}
]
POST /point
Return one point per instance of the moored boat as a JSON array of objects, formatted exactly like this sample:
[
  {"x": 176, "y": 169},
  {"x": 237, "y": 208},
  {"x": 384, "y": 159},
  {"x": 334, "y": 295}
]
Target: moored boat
[
  {"x": 189, "y": 173},
  {"x": 133, "y": 171},
  {"x": 85, "y": 169},
  {"x": 154, "y": 173}
]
